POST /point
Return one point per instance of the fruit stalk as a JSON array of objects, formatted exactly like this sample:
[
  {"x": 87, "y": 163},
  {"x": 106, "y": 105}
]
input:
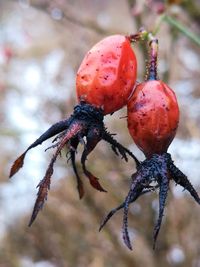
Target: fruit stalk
[
  {"x": 151, "y": 68},
  {"x": 152, "y": 64}
]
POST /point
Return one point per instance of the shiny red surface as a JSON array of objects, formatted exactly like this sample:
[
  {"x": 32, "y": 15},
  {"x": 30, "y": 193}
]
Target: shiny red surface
[
  {"x": 107, "y": 74},
  {"x": 153, "y": 116}
]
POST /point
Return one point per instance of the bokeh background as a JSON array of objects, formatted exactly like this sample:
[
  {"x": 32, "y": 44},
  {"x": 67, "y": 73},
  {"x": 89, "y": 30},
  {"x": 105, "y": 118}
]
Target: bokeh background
[{"x": 42, "y": 43}]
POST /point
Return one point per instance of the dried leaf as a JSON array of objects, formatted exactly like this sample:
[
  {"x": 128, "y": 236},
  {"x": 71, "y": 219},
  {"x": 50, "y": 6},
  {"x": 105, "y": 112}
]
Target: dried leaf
[{"x": 18, "y": 164}]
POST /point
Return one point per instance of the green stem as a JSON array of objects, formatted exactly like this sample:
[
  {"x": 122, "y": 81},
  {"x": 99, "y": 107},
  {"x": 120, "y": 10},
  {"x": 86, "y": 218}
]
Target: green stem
[
  {"x": 158, "y": 24},
  {"x": 173, "y": 22}
]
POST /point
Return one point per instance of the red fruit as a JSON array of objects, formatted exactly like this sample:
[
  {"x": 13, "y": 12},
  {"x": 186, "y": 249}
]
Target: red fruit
[
  {"x": 153, "y": 116},
  {"x": 107, "y": 74}
]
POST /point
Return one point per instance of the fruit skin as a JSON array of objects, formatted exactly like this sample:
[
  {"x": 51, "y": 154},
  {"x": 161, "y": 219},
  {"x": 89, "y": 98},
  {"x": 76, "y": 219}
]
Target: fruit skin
[
  {"x": 153, "y": 117},
  {"x": 107, "y": 74}
]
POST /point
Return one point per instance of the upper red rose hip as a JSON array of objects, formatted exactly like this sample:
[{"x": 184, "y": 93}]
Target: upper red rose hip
[
  {"x": 153, "y": 116},
  {"x": 107, "y": 74}
]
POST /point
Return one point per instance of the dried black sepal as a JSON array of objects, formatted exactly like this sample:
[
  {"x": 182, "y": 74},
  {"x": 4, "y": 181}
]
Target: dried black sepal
[
  {"x": 159, "y": 169},
  {"x": 85, "y": 122}
]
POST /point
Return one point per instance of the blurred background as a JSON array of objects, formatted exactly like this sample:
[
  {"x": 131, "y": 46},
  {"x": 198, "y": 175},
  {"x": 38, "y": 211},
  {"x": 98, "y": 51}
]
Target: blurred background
[{"x": 42, "y": 44}]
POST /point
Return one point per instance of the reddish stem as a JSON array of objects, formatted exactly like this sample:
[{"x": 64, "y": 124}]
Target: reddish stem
[
  {"x": 153, "y": 59},
  {"x": 142, "y": 35}
]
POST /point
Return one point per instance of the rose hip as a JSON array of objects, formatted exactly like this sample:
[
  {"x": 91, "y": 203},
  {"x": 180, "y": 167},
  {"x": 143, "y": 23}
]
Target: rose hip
[
  {"x": 153, "y": 116},
  {"x": 107, "y": 74}
]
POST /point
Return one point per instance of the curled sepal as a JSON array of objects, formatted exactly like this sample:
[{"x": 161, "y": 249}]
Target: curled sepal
[
  {"x": 93, "y": 180},
  {"x": 93, "y": 137},
  {"x": 53, "y": 130},
  {"x": 118, "y": 148},
  {"x": 109, "y": 215},
  {"x": 164, "y": 187},
  {"x": 134, "y": 197},
  {"x": 73, "y": 146},
  {"x": 44, "y": 185},
  {"x": 181, "y": 179},
  {"x": 136, "y": 186}
]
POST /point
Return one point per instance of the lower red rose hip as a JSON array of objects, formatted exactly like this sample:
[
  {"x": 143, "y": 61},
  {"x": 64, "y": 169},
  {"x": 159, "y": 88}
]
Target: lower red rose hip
[{"x": 153, "y": 116}]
